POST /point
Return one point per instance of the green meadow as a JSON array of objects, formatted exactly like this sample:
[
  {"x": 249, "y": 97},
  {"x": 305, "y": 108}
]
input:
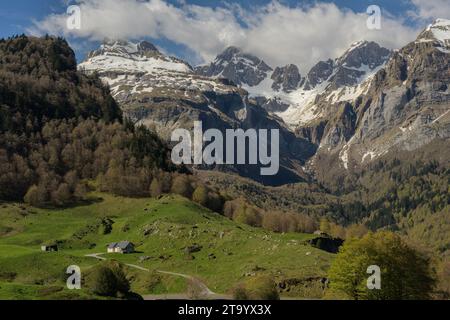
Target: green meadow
[{"x": 226, "y": 253}]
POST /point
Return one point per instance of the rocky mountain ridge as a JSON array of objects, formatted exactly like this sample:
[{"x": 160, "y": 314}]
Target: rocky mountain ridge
[
  {"x": 349, "y": 111},
  {"x": 164, "y": 94},
  {"x": 291, "y": 96}
]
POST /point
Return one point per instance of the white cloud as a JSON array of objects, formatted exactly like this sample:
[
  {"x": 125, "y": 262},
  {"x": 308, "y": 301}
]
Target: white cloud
[
  {"x": 307, "y": 35},
  {"x": 431, "y": 9},
  {"x": 277, "y": 33}
]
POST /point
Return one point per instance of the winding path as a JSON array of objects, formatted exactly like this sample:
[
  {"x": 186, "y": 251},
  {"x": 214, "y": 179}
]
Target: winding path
[{"x": 205, "y": 291}]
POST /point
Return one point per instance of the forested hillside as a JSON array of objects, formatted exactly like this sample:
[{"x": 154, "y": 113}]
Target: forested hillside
[
  {"x": 39, "y": 82},
  {"x": 408, "y": 193},
  {"x": 62, "y": 134},
  {"x": 58, "y": 127},
  {"x": 63, "y": 140}
]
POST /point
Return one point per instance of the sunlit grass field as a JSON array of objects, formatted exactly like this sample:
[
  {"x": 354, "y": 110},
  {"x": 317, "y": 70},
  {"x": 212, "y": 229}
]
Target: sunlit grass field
[{"x": 161, "y": 230}]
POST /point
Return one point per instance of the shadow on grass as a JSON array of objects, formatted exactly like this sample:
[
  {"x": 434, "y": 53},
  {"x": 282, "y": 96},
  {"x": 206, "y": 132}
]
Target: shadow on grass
[{"x": 76, "y": 204}]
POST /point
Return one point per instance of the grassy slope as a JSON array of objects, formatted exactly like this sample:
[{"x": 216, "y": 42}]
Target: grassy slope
[{"x": 173, "y": 223}]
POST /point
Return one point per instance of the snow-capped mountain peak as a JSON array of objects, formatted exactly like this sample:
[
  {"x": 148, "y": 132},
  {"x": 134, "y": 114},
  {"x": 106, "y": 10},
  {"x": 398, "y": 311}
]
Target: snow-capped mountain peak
[
  {"x": 238, "y": 66},
  {"x": 140, "y": 69},
  {"x": 439, "y": 33},
  {"x": 124, "y": 48},
  {"x": 363, "y": 54},
  {"x": 129, "y": 57},
  {"x": 440, "y": 29},
  {"x": 294, "y": 98},
  {"x": 344, "y": 106}
]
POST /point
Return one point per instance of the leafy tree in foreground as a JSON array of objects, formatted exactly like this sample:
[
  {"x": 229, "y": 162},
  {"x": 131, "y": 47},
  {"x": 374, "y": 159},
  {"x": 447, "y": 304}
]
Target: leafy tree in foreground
[
  {"x": 103, "y": 282},
  {"x": 109, "y": 280},
  {"x": 405, "y": 273}
]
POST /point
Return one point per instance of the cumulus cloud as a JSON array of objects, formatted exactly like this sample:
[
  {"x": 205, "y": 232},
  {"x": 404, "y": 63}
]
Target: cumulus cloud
[
  {"x": 430, "y": 9},
  {"x": 308, "y": 34},
  {"x": 275, "y": 32}
]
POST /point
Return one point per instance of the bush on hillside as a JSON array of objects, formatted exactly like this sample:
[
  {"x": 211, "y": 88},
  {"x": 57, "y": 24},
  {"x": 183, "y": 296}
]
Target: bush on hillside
[
  {"x": 182, "y": 186},
  {"x": 261, "y": 287},
  {"x": 406, "y": 273},
  {"x": 155, "y": 188},
  {"x": 108, "y": 280},
  {"x": 200, "y": 196}
]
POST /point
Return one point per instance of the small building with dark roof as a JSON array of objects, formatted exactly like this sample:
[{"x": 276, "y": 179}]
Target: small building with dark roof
[
  {"x": 49, "y": 248},
  {"x": 121, "y": 247}
]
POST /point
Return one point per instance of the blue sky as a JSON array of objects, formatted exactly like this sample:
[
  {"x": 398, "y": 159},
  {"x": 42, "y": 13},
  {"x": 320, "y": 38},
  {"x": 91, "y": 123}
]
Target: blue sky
[
  {"x": 16, "y": 16},
  {"x": 20, "y": 16}
]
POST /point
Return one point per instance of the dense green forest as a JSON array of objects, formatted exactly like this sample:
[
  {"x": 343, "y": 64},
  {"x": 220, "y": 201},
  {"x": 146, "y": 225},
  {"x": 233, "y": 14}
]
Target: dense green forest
[
  {"x": 62, "y": 135},
  {"x": 59, "y": 127},
  {"x": 39, "y": 82},
  {"x": 61, "y": 130}
]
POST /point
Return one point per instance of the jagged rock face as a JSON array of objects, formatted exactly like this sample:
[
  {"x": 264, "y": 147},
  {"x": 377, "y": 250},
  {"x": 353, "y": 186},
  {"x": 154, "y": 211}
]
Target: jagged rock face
[
  {"x": 362, "y": 58},
  {"x": 160, "y": 91},
  {"x": 272, "y": 105},
  {"x": 286, "y": 79},
  {"x": 319, "y": 73},
  {"x": 330, "y": 84},
  {"x": 164, "y": 93},
  {"x": 300, "y": 101},
  {"x": 354, "y": 109},
  {"x": 237, "y": 66},
  {"x": 348, "y": 70},
  {"x": 356, "y": 62},
  {"x": 412, "y": 93},
  {"x": 438, "y": 34},
  {"x": 364, "y": 53},
  {"x": 407, "y": 104},
  {"x": 123, "y": 48}
]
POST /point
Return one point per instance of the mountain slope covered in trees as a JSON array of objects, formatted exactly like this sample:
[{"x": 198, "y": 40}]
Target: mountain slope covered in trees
[
  {"x": 59, "y": 126},
  {"x": 63, "y": 135}
]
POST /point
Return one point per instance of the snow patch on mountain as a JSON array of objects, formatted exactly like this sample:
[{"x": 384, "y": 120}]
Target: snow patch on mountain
[
  {"x": 129, "y": 57},
  {"x": 129, "y": 68},
  {"x": 264, "y": 88},
  {"x": 351, "y": 93},
  {"x": 439, "y": 32},
  {"x": 440, "y": 29},
  {"x": 302, "y": 107},
  {"x": 333, "y": 81}
]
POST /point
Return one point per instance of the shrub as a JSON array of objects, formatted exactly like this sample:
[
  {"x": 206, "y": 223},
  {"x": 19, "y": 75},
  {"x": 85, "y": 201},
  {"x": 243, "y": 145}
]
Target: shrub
[
  {"x": 356, "y": 231},
  {"x": 182, "y": 186},
  {"x": 34, "y": 197},
  {"x": 165, "y": 181},
  {"x": 230, "y": 207},
  {"x": 155, "y": 188},
  {"x": 122, "y": 283},
  {"x": 248, "y": 215},
  {"x": 261, "y": 287},
  {"x": 444, "y": 278},
  {"x": 102, "y": 282},
  {"x": 405, "y": 272},
  {"x": 200, "y": 196},
  {"x": 215, "y": 202},
  {"x": 240, "y": 293},
  {"x": 62, "y": 195},
  {"x": 271, "y": 221},
  {"x": 108, "y": 279}
]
